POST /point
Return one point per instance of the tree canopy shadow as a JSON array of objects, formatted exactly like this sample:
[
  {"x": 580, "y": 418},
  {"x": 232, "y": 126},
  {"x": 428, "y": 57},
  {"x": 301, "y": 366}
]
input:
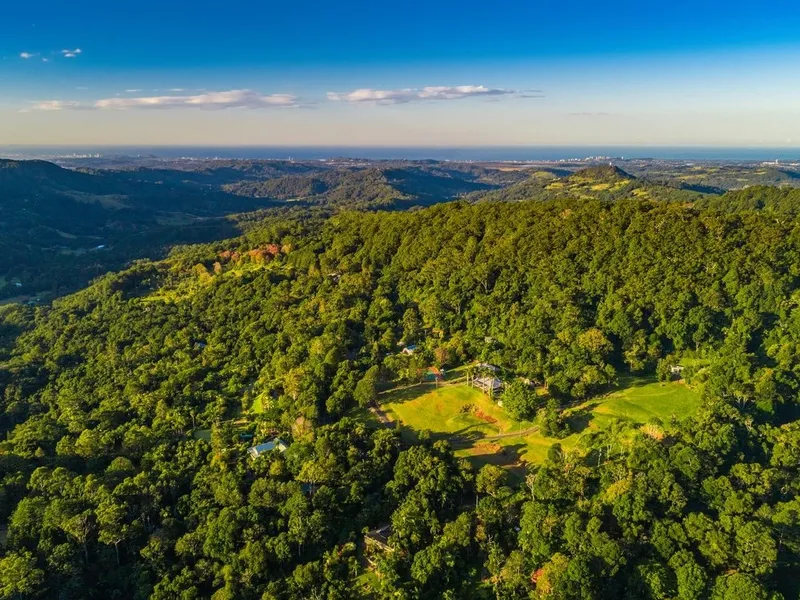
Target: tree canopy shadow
[{"x": 579, "y": 420}]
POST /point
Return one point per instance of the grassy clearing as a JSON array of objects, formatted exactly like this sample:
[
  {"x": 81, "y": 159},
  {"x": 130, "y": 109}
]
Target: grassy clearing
[
  {"x": 258, "y": 405},
  {"x": 644, "y": 398},
  {"x": 463, "y": 415},
  {"x": 451, "y": 408},
  {"x": 202, "y": 434},
  {"x": 639, "y": 400},
  {"x": 483, "y": 432}
]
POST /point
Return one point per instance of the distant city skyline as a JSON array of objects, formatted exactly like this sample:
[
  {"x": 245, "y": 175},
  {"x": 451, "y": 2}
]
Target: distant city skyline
[{"x": 416, "y": 74}]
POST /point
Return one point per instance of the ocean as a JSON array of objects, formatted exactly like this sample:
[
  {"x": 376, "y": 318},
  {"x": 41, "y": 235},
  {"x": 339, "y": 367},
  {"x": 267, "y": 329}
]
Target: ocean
[{"x": 475, "y": 153}]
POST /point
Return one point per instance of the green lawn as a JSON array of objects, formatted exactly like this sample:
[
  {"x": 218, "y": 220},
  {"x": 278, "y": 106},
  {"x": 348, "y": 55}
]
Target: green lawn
[
  {"x": 202, "y": 434},
  {"x": 466, "y": 417},
  {"x": 453, "y": 409},
  {"x": 644, "y": 398},
  {"x": 472, "y": 422},
  {"x": 639, "y": 400},
  {"x": 258, "y": 406}
]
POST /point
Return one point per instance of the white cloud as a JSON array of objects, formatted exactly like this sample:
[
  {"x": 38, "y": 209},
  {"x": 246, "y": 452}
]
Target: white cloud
[
  {"x": 52, "y": 105},
  {"x": 71, "y": 53},
  {"x": 27, "y": 55},
  {"x": 133, "y": 91},
  {"x": 439, "y": 92},
  {"x": 209, "y": 100},
  {"x": 45, "y": 60}
]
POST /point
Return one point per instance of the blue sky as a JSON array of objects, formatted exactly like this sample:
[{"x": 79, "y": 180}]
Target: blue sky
[{"x": 416, "y": 73}]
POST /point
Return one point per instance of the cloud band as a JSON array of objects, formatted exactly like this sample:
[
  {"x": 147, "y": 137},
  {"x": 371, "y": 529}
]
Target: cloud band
[{"x": 430, "y": 93}]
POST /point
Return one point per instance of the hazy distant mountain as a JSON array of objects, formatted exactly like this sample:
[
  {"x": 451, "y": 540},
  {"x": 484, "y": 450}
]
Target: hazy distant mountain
[
  {"x": 601, "y": 173},
  {"x": 60, "y": 227},
  {"x": 602, "y": 182},
  {"x": 53, "y": 216},
  {"x": 383, "y": 186}
]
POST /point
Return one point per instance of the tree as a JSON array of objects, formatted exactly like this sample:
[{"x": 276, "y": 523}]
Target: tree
[
  {"x": 738, "y": 586},
  {"x": 491, "y": 480},
  {"x": 366, "y": 392},
  {"x": 19, "y": 576},
  {"x": 755, "y": 549},
  {"x": 691, "y": 578},
  {"x": 551, "y": 420},
  {"x": 412, "y": 326},
  {"x": 111, "y": 522},
  {"x": 520, "y": 400}
]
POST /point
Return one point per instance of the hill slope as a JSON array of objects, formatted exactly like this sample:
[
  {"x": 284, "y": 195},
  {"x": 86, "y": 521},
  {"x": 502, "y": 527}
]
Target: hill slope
[
  {"x": 52, "y": 218},
  {"x": 60, "y": 227},
  {"x": 125, "y": 416},
  {"x": 375, "y": 187},
  {"x": 603, "y": 182}
]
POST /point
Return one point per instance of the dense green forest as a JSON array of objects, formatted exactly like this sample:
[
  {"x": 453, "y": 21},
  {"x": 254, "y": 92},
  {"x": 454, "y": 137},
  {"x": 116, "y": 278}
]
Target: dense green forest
[
  {"x": 128, "y": 407},
  {"x": 60, "y": 228},
  {"x": 714, "y": 177}
]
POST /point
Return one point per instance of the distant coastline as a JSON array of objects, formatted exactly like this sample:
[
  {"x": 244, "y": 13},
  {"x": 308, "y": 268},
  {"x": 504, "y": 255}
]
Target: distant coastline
[{"x": 473, "y": 153}]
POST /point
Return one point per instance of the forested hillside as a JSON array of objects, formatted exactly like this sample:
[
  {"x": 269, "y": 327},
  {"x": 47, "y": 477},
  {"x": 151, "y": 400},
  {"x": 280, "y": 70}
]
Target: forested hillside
[
  {"x": 784, "y": 201},
  {"x": 393, "y": 187},
  {"x": 128, "y": 409},
  {"x": 60, "y": 228},
  {"x": 603, "y": 182}
]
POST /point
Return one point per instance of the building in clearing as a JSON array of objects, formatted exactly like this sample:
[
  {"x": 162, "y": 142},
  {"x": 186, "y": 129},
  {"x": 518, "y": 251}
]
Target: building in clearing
[
  {"x": 489, "y": 385},
  {"x": 410, "y": 349},
  {"x": 676, "y": 370},
  {"x": 486, "y": 367},
  {"x": 260, "y": 449},
  {"x": 376, "y": 542}
]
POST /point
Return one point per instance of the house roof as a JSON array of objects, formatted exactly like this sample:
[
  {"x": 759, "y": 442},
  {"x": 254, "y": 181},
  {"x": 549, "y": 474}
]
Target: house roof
[
  {"x": 260, "y": 449},
  {"x": 488, "y": 382},
  {"x": 380, "y": 534}
]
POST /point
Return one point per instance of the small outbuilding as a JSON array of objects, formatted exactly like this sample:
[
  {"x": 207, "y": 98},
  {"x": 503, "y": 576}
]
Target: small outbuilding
[
  {"x": 409, "y": 350},
  {"x": 434, "y": 374}
]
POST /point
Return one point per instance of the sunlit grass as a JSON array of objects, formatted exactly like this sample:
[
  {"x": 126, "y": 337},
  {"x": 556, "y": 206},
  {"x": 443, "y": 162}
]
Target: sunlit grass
[{"x": 482, "y": 431}]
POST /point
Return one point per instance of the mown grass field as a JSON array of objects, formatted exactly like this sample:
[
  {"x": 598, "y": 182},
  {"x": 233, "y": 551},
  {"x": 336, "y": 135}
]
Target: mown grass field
[
  {"x": 641, "y": 399},
  {"x": 463, "y": 415},
  {"x": 482, "y": 431}
]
